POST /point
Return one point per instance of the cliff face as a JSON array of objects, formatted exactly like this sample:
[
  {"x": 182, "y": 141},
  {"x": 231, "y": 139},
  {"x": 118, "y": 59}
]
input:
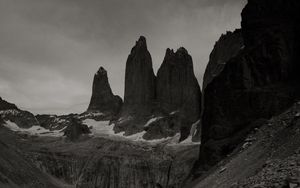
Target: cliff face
[
  {"x": 177, "y": 87},
  {"x": 139, "y": 80},
  {"x": 228, "y": 46},
  {"x": 257, "y": 82},
  {"x": 103, "y": 100}
]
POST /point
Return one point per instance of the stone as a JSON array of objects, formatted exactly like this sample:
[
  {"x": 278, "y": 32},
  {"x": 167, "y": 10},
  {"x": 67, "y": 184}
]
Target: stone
[
  {"x": 177, "y": 87},
  {"x": 228, "y": 46},
  {"x": 75, "y": 129},
  {"x": 139, "y": 93},
  {"x": 103, "y": 100},
  {"x": 258, "y": 82}
]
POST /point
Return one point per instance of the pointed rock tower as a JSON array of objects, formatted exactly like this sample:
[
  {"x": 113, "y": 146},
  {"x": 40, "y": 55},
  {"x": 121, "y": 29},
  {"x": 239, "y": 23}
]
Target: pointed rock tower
[
  {"x": 139, "y": 80},
  {"x": 177, "y": 87},
  {"x": 103, "y": 100}
]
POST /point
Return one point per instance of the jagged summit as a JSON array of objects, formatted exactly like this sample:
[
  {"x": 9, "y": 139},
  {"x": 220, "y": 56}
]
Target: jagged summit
[
  {"x": 103, "y": 100},
  {"x": 176, "y": 85},
  {"x": 140, "y": 45},
  {"x": 101, "y": 71},
  {"x": 182, "y": 51},
  {"x": 139, "y": 79}
]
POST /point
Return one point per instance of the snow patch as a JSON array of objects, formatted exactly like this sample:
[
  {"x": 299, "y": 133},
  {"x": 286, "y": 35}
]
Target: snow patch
[
  {"x": 175, "y": 112},
  {"x": 99, "y": 128},
  {"x": 34, "y": 130},
  {"x": 151, "y": 121},
  {"x": 9, "y": 112}
]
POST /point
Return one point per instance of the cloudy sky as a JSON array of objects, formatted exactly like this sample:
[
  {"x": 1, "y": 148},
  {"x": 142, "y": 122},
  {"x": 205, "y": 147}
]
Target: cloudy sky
[{"x": 50, "y": 49}]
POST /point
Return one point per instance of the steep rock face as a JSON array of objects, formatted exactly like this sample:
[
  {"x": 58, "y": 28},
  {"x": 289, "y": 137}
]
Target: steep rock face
[
  {"x": 228, "y": 46},
  {"x": 139, "y": 80},
  {"x": 103, "y": 100},
  {"x": 177, "y": 87},
  {"x": 10, "y": 112},
  {"x": 256, "y": 83}
]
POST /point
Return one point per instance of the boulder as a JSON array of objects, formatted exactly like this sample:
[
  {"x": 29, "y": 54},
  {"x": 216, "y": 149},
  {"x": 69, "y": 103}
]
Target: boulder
[{"x": 75, "y": 129}]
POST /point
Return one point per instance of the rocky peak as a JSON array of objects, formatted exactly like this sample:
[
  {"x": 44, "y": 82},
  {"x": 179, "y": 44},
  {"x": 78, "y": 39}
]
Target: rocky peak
[
  {"x": 101, "y": 71},
  {"x": 141, "y": 43},
  {"x": 139, "y": 79},
  {"x": 177, "y": 87},
  {"x": 103, "y": 100}
]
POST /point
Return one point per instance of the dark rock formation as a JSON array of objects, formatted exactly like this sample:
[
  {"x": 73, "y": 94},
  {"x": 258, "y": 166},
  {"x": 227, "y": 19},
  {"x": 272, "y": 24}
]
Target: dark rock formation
[
  {"x": 54, "y": 122},
  {"x": 257, "y": 82},
  {"x": 4, "y": 105},
  {"x": 228, "y": 46},
  {"x": 75, "y": 129},
  {"x": 177, "y": 87},
  {"x": 139, "y": 80},
  {"x": 10, "y": 112},
  {"x": 103, "y": 100}
]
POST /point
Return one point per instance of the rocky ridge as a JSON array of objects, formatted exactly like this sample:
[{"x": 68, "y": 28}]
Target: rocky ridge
[{"x": 10, "y": 112}]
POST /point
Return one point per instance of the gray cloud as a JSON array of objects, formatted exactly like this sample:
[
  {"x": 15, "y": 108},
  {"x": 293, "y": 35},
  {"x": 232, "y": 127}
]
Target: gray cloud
[{"x": 50, "y": 49}]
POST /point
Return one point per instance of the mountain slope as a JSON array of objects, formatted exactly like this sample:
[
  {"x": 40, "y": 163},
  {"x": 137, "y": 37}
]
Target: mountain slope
[{"x": 268, "y": 157}]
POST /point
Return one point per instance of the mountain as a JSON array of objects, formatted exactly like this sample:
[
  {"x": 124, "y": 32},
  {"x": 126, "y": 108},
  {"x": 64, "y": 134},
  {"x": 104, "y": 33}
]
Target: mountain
[
  {"x": 139, "y": 92},
  {"x": 98, "y": 159},
  {"x": 103, "y": 100},
  {"x": 177, "y": 87},
  {"x": 256, "y": 83},
  {"x": 159, "y": 106},
  {"x": 10, "y": 112}
]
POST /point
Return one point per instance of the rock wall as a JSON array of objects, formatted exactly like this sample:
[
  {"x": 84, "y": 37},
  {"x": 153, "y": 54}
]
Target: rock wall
[
  {"x": 256, "y": 83},
  {"x": 177, "y": 87},
  {"x": 228, "y": 46},
  {"x": 139, "y": 80},
  {"x": 174, "y": 90}
]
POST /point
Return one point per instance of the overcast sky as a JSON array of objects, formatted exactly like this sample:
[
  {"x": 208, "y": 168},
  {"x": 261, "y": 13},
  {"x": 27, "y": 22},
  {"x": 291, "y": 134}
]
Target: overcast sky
[{"x": 50, "y": 49}]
